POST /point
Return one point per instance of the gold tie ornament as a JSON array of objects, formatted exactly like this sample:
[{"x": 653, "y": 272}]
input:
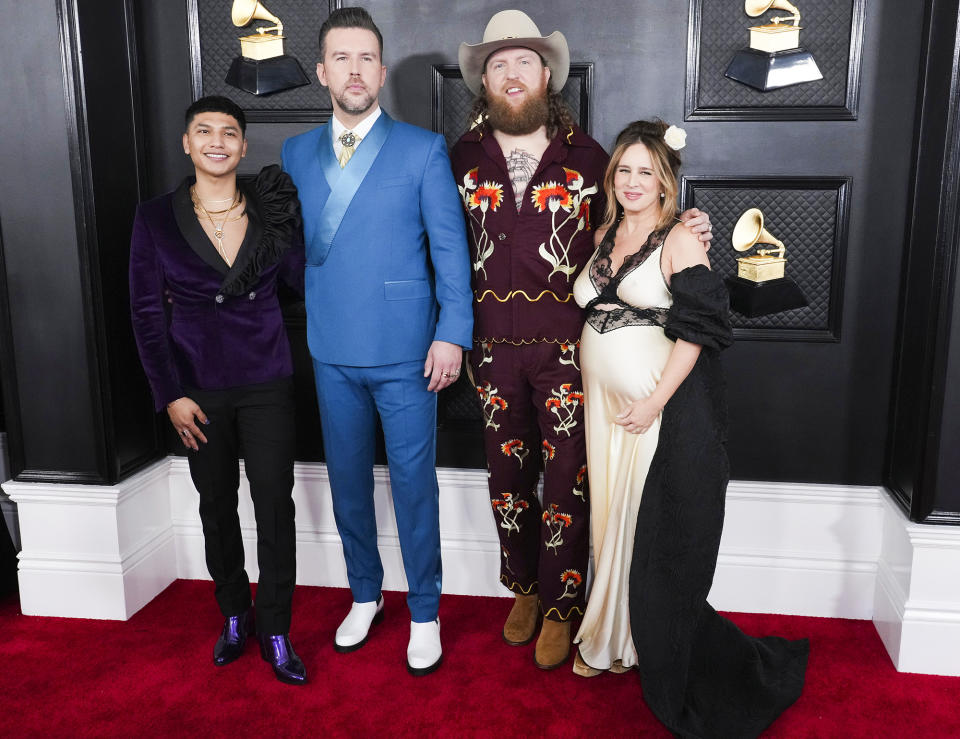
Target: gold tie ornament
[{"x": 349, "y": 142}]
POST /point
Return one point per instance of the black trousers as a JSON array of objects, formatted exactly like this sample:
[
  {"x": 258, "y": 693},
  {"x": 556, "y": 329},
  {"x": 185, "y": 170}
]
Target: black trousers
[{"x": 257, "y": 423}]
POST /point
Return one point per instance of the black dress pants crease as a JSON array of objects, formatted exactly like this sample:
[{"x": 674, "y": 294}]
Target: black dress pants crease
[{"x": 257, "y": 423}]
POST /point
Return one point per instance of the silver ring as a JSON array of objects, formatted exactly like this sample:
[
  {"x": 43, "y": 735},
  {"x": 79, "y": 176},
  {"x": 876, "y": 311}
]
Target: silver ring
[
  {"x": 184, "y": 432},
  {"x": 445, "y": 374}
]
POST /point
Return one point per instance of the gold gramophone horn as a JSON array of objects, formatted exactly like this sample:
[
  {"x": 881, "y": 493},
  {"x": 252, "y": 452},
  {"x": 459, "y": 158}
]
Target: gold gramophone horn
[
  {"x": 749, "y": 231},
  {"x": 244, "y": 11},
  {"x": 754, "y": 8}
]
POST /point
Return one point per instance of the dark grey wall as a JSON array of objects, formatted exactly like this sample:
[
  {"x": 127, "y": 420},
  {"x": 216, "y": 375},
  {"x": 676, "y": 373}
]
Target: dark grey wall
[
  {"x": 799, "y": 411},
  {"x": 43, "y": 286}
]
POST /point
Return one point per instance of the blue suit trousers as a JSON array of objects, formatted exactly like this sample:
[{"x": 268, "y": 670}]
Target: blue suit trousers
[{"x": 350, "y": 398}]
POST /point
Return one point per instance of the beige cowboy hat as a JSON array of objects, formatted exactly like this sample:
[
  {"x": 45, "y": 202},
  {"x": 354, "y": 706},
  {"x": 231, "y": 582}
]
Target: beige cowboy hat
[{"x": 510, "y": 28}]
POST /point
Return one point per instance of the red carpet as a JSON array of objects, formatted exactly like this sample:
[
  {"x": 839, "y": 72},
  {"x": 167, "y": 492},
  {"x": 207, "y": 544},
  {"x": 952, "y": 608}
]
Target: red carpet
[{"x": 153, "y": 676}]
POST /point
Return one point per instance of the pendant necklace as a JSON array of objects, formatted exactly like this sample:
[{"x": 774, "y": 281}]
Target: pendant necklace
[{"x": 219, "y": 226}]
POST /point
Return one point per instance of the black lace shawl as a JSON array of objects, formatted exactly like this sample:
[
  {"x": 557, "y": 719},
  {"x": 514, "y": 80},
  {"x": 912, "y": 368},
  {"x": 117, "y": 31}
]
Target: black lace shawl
[
  {"x": 272, "y": 202},
  {"x": 700, "y": 312}
]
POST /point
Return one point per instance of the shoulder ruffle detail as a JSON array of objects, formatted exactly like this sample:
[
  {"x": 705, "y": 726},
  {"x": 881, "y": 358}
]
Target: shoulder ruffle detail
[
  {"x": 700, "y": 312},
  {"x": 278, "y": 208}
]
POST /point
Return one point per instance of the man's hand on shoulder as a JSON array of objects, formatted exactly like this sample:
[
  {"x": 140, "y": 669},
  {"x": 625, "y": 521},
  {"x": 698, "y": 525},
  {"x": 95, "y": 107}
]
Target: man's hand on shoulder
[
  {"x": 699, "y": 224},
  {"x": 442, "y": 365}
]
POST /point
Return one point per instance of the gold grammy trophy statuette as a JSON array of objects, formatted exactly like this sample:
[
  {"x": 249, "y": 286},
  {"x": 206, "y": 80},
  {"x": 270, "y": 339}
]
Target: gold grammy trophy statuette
[
  {"x": 761, "y": 287},
  {"x": 775, "y": 58},
  {"x": 262, "y": 67}
]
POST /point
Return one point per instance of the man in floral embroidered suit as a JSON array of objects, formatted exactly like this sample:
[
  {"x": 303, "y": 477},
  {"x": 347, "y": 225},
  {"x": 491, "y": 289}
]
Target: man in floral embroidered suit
[{"x": 530, "y": 180}]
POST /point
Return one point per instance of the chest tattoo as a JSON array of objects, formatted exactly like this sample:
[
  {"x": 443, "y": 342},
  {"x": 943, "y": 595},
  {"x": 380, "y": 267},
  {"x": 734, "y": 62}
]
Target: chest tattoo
[{"x": 521, "y": 166}]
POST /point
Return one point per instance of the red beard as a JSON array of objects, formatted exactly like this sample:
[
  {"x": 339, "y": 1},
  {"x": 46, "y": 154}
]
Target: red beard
[{"x": 517, "y": 120}]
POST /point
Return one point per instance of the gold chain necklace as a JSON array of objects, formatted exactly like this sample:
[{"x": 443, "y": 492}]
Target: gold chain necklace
[{"x": 218, "y": 227}]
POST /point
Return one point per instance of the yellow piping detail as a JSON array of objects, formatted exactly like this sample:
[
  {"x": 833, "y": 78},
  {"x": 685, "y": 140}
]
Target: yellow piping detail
[
  {"x": 526, "y": 342},
  {"x": 514, "y": 584},
  {"x": 569, "y": 613},
  {"x": 518, "y": 293}
]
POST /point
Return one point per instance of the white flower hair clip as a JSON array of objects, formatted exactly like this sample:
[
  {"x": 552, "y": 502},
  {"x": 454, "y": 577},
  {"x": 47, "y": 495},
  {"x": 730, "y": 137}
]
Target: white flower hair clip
[{"x": 675, "y": 137}]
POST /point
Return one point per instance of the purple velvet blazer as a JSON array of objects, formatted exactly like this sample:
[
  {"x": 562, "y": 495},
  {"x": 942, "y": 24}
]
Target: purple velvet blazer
[{"x": 199, "y": 323}]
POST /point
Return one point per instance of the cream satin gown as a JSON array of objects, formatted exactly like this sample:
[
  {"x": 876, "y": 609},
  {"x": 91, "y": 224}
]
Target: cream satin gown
[{"x": 619, "y": 366}]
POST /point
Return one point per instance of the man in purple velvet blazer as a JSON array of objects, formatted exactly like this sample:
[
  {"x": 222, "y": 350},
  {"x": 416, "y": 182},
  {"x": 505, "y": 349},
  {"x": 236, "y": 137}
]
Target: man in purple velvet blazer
[{"x": 204, "y": 265}]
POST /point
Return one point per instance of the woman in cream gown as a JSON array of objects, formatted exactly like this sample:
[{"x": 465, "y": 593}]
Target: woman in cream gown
[{"x": 656, "y": 428}]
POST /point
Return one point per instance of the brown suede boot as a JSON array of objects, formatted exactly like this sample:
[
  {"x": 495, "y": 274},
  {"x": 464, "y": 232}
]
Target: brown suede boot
[
  {"x": 521, "y": 624},
  {"x": 553, "y": 646}
]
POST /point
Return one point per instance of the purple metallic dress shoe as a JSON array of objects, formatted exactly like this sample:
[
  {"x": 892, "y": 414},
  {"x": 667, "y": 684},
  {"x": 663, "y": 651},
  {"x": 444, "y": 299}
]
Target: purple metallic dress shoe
[
  {"x": 287, "y": 666},
  {"x": 233, "y": 638}
]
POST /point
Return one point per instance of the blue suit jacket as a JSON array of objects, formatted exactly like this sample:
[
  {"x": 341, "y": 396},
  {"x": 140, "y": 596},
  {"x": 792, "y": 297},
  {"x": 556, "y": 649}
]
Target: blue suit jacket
[{"x": 397, "y": 274}]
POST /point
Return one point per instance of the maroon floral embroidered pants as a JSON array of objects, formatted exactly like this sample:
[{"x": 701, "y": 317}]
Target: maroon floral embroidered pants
[{"x": 533, "y": 414}]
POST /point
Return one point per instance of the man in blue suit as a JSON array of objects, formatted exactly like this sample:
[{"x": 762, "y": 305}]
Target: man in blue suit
[{"x": 388, "y": 315}]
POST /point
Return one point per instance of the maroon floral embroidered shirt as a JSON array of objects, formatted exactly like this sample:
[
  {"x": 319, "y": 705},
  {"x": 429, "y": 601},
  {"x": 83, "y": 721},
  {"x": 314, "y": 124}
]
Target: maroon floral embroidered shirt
[{"x": 524, "y": 262}]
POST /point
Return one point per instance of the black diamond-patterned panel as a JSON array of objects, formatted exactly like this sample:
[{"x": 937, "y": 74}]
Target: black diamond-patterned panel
[
  {"x": 219, "y": 44},
  {"x": 455, "y": 99},
  {"x": 456, "y": 102},
  {"x": 804, "y": 220},
  {"x": 459, "y": 403},
  {"x": 825, "y": 33}
]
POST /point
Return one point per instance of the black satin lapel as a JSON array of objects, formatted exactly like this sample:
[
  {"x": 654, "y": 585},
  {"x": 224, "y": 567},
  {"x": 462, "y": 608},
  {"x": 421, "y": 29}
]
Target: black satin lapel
[
  {"x": 251, "y": 239},
  {"x": 190, "y": 227}
]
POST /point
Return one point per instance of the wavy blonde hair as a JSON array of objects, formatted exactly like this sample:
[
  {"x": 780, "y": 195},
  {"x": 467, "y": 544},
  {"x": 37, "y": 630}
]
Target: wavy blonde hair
[{"x": 666, "y": 167}]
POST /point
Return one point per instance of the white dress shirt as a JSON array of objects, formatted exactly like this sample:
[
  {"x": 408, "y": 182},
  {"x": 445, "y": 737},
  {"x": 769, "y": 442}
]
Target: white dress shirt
[{"x": 360, "y": 130}]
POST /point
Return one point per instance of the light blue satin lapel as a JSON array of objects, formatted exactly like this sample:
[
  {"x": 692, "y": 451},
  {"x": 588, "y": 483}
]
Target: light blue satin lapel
[{"x": 345, "y": 182}]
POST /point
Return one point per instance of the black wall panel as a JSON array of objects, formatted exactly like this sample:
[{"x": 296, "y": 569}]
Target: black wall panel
[{"x": 800, "y": 411}]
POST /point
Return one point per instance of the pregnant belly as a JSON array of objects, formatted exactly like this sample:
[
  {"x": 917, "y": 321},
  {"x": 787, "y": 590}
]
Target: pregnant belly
[{"x": 625, "y": 363}]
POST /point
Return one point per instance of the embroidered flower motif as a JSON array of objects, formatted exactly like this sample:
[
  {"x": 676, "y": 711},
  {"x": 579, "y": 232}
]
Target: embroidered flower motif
[
  {"x": 556, "y": 522},
  {"x": 514, "y": 448},
  {"x": 584, "y": 216},
  {"x": 486, "y": 349},
  {"x": 509, "y": 509},
  {"x": 568, "y": 354},
  {"x": 574, "y": 179},
  {"x": 491, "y": 403},
  {"x": 552, "y": 196},
  {"x": 579, "y": 488},
  {"x": 571, "y": 579},
  {"x": 571, "y": 197},
  {"x": 488, "y": 195},
  {"x": 563, "y": 405},
  {"x": 506, "y": 558},
  {"x": 549, "y": 451}
]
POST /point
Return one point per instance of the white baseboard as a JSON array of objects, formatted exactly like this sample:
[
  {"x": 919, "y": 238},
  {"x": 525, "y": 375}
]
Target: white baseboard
[
  {"x": 92, "y": 551},
  {"x": 916, "y": 607},
  {"x": 800, "y": 549},
  {"x": 812, "y": 550},
  {"x": 469, "y": 544}
]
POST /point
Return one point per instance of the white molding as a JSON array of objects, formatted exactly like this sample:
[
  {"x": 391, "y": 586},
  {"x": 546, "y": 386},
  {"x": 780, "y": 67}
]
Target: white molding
[
  {"x": 94, "y": 551},
  {"x": 916, "y": 607},
  {"x": 793, "y": 548}
]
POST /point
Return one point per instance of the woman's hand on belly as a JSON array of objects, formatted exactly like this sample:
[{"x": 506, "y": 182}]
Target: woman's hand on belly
[{"x": 639, "y": 416}]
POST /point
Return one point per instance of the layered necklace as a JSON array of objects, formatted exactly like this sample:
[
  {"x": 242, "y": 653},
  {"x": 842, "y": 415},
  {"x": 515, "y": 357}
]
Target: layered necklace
[{"x": 223, "y": 217}]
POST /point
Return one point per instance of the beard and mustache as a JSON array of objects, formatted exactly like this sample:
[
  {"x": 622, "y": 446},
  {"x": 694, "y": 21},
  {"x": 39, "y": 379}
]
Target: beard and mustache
[{"x": 517, "y": 120}]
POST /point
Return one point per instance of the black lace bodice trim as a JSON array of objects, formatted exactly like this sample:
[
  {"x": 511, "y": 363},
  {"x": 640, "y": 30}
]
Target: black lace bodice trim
[
  {"x": 606, "y": 284},
  {"x": 272, "y": 199},
  {"x": 601, "y": 271}
]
